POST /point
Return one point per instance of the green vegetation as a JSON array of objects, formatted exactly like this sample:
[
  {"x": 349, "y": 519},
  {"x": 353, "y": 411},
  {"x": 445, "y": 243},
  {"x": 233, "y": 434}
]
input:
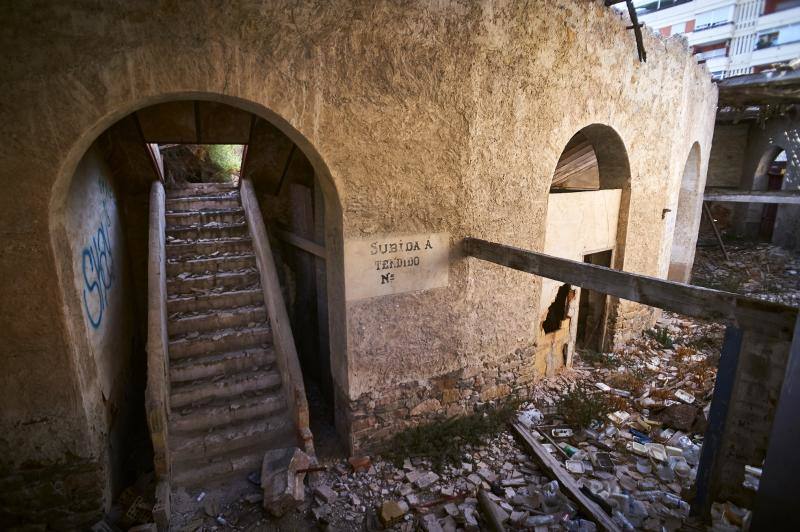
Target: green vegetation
[
  {"x": 442, "y": 442},
  {"x": 661, "y": 335},
  {"x": 582, "y": 404},
  {"x": 598, "y": 360},
  {"x": 227, "y": 158}
]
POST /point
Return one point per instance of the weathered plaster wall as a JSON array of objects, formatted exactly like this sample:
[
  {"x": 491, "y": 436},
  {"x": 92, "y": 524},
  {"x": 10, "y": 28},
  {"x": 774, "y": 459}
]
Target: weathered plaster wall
[
  {"x": 420, "y": 117},
  {"x": 101, "y": 282},
  {"x": 681, "y": 223}
]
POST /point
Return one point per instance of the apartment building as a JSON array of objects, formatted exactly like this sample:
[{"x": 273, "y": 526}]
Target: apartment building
[{"x": 732, "y": 37}]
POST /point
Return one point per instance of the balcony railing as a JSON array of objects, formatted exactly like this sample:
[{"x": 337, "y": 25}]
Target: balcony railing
[
  {"x": 710, "y": 54},
  {"x": 659, "y": 5}
]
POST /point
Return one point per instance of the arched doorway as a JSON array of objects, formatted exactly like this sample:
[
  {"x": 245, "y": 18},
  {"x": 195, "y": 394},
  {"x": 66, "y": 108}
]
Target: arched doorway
[
  {"x": 684, "y": 231},
  {"x": 99, "y": 227},
  {"x": 770, "y": 176},
  {"x": 587, "y": 217}
]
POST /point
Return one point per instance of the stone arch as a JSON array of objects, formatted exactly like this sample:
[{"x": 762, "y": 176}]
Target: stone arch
[
  {"x": 594, "y": 172},
  {"x": 762, "y": 169},
  {"x": 684, "y": 231},
  {"x": 609, "y": 164},
  {"x": 77, "y": 340}
]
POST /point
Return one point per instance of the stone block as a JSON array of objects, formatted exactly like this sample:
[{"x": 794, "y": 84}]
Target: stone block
[
  {"x": 281, "y": 481},
  {"x": 426, "y": 407}
]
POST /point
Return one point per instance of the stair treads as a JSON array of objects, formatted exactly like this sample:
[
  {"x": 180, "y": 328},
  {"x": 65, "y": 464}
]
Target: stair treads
[
  {"x": 224, "y": 300},
  {"x": 228, "y": 363},
  {"x": 209, "y": 248},
  {"x": 230, "y": 411},
  {"x": 207, "y": 390},
  {"x": 224, "y": 263},
  {"x": 198, "y": 284},
  {"x": 185, "y": 324},
  {"x": 219, "y": 342}
]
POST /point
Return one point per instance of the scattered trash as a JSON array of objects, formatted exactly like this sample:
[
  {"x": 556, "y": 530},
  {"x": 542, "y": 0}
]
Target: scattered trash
[
  {"x": 684, "y": 396},
  {"x": 562, "y": 433}
]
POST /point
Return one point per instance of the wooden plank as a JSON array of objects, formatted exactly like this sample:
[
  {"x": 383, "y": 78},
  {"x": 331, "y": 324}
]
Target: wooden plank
[
  {"x": 299, "y": 242},
  {"x": 554, "y": 470},
  {"x": 710, "y": 218},
  {"x": 695, "y": 301},
  {"x": 747, "y": 196},
  {"x": 491, "y": 511}
]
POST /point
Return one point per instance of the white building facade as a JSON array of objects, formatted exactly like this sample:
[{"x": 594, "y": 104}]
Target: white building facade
[{"x": 732, "y": 37}]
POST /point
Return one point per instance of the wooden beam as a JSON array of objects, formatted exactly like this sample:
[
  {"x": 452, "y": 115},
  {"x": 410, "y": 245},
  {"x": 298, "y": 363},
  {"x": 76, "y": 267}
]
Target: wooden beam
[
  {"x": 299, "y": 242},
  {"x": 710, "y": 218},
  {"x": 732, "y": 309},
  {"x": 752, "y": 196},
  {"x": 554, "y": 470}
]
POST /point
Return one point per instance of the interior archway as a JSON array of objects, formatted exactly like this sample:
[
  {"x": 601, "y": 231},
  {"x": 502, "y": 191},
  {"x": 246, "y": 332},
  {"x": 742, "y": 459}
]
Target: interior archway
[
  {"x": 587, "y": 217},
  {"x": 684, "y": 233},
  {"x": 770, "y": 176},
  {"x": 99, "y": 231}
]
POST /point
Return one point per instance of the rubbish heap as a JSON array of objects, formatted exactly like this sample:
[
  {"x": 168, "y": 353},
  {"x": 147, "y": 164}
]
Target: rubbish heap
[{"x": 762, "y": 271}]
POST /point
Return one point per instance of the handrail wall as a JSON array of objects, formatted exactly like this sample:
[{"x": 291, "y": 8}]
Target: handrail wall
[
  {"x": 157, "y": 392},
  {"x": 285, "y": 350}
]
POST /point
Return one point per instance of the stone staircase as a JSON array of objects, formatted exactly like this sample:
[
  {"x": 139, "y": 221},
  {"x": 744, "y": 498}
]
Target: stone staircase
[{"x": 227, "y": 406}]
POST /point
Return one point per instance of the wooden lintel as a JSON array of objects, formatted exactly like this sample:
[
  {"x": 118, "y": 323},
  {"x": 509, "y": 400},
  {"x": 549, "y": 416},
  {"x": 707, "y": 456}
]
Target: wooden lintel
[
  {"x": 747, "y": 196},
  {"x": 695, "y": 301},
  {"x": 299, "y": 242}
]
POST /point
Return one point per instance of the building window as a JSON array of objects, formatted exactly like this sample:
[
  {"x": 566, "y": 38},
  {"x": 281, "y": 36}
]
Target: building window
[
  {"x": 713, "y": 18},
  {"x": 784, "y": 35},
  {"x": 765, "y": 40},
  {"x": 773, "y": 6}
]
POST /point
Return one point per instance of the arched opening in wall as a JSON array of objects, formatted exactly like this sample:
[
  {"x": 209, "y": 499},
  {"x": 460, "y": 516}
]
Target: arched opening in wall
[
  {"x": 770, "y": 174},
  {"x": 225, "y": 377},
  {"x": 587, "y": 216},
  {"x": 684, "y": 233}
]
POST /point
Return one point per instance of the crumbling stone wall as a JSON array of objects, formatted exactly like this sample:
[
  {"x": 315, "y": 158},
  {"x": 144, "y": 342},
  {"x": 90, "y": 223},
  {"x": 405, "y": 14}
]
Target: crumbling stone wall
[{"x": 419, "y": 117}]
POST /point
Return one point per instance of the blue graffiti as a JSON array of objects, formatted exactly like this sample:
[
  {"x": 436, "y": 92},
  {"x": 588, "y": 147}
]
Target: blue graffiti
[{"x": 97, "y": 262}]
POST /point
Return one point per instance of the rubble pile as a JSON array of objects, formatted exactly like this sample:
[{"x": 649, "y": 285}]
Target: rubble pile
[
  {"x": 638, "y": 458},
  {"x": 763, "y": 271}
]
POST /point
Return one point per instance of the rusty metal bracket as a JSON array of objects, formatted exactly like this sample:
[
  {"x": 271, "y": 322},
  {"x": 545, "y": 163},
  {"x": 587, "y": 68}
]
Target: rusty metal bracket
[{"x": 636, "y": 26}]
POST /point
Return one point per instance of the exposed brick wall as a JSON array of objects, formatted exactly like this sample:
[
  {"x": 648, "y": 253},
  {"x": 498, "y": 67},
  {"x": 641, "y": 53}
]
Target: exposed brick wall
[
  {"x": 727, "y": 155},
  {"x": 64, "y": 496},
  {"x": 376, "y": 416},
  {"x": 756, "y": 390}
]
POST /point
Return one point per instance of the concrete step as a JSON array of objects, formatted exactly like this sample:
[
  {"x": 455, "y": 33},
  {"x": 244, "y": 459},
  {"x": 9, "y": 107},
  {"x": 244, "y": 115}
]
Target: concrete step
[
  {"x": 220, "y": 342},
  {"x": 229, "y": 411},
  {"x": 207, "y": 232},
  {"x": 199, "y": 189},
  {"x": 223, "y": 300},
  {"x": 223, "y": 456},
  {"x": 206, "y": 391},
  {"x": 234, "y": 318},
  {"x": 194, "y": 368},
  {"x": 224, "y": 263},
  {"x": 227, "y": 281},
  {"x": 184, "y": 219},
  {"x": 209, "y": 248},
  {"x": 198, "y": 203}
]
